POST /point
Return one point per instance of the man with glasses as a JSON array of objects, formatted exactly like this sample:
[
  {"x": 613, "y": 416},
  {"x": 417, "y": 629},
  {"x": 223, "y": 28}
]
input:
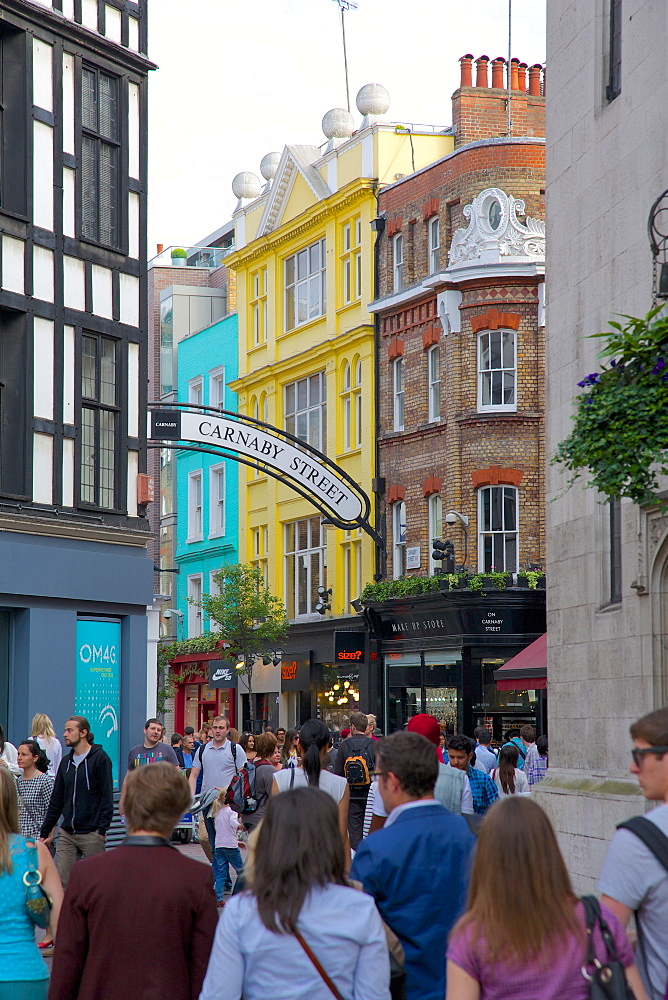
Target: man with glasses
[{"x": 634, "y": 877}]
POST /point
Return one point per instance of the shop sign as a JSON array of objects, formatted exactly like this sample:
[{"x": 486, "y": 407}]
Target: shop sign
[
  {"x": 296, "y": 671},
  {"x": 98, "y": 683},
  {"x": 348, "y": 648},
  {"x": 222, "y": 675},
  {"x": 413, "y": 557},
  {"x": 491, "y": 620}
]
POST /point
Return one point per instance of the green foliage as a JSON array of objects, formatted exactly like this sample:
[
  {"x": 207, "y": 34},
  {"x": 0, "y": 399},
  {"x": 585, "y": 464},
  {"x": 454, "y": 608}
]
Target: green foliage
[
  {"x": 475, "y": 582},
  {"x": 452, "y": 579},
  {"x": 533, "y": 576},
  {"x": 405, "y": 586},
  {"x": 167, "y": 681},
  {"x": 178, "y": 252},
  {"x": 620, "y": 432},
  {"x": 499, "y": 579}
]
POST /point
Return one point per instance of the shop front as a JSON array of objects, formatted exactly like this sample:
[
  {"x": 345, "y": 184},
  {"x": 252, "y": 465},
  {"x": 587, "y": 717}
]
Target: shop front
[
  {"x": 440, "y": 652},
  {"x": 205, "y": 686}
]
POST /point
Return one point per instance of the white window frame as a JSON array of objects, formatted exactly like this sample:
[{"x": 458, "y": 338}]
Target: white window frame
[
  {"x": 303, "y": 562},
  {"x": 260, "y": 548},
  {"x": 214, "y": 588},
  {"x": 435, "y": 528},
  {"x": 398, "y": 539},
  {"x": 434, "y": 245},
  {"x": 308, "y": 410},
  {"x": 398, "y": 262},
  {"x": 434, "y": 383},
  {"x": 351, "y": 237},
  {"x": 398, "y": 393},
  {"x": 306, "y": 279},
  {"x": 489, "y": 375},
  {"x": 357, "y": 402},
  {"x": 352, "y": 567},
  {"x": 196, "y": 391},
  {"x": 497, "y": 535},
  {"x": 347, "y": 408},
  {"x": 195, "y": 614},
  {"x": 258, "y": 304},
  {"x": 217, "y": 506},
  {"x": 195, "y": 507},
  {"x": 217, "y": 383}
]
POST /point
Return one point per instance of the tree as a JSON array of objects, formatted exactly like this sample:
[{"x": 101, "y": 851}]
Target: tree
[{"x": 250, "y": 619}]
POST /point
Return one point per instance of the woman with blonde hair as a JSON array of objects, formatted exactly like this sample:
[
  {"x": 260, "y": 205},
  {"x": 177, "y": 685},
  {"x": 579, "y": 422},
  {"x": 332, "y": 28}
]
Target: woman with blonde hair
[
  {"x": 23, "y": 974},
  {"x": 542, "y": 948},
  {"x": 42, "y": 730}
]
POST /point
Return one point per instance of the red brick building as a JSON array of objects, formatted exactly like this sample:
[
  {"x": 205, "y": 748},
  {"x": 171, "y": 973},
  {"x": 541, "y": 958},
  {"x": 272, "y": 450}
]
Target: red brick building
[{"x": 461, "y": 336}]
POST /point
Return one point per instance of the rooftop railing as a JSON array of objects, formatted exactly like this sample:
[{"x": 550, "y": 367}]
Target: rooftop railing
[{"x": 209, "y": 257}]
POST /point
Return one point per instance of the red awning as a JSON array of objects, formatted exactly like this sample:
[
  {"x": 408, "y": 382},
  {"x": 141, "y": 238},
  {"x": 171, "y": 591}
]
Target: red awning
[
  {"x": 214, "y": 654},
  {"x": 526, "y": 670}
]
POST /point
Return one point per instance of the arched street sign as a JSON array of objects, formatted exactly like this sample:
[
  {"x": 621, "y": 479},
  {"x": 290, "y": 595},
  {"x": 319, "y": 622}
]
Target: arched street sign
[{"x": 253, "y": 442}]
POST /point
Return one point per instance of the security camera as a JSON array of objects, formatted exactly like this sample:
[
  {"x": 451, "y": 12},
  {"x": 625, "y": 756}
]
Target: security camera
[
  {"x": 168, "y": 613},
  {"x": 451, "y": 518}
]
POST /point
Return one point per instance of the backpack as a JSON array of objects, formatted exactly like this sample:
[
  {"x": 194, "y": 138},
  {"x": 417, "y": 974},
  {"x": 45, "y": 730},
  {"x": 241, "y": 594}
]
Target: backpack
[
  {"x": 358, "y": 768},
  {"x": 241, "y": 789}
]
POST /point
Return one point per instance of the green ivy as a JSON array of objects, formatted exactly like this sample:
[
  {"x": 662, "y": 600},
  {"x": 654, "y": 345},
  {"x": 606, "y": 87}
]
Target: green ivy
[
  {"x": 405, "y": 586},
  {"x": 620, "y": 433}
]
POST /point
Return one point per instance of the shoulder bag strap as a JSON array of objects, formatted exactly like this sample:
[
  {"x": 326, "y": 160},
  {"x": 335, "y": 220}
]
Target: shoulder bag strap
[
  {"x": 650, "y": 835},
  {"x": 318, "y": 966},
  {"x": 233, "y": 747},
  {"x": 292, "y": 778}
]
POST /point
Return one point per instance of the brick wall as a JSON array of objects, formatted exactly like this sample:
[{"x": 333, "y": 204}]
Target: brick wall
[{"x": 443, "y": 456}]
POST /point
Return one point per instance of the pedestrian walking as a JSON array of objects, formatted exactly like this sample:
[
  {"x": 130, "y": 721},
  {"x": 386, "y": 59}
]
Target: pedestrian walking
[
  {"x": 355, "y": 761},
  {"x": 227, "y": 825},
  {"x": 417, "y": 866},
  {"x": 485, "y": 758},
  {"x": 34, "y": 787},
  {"x": 536, "y": 765},
  {"x": 634, "y": 877},
  {"x": 300, "y": 926},
  {"x": 141, "y": 918},
  {"x": 152, "y": 749},
  {"x": 483, "y": 789},
  {"x": 41, "y": 729},
  {"x": 266, "y": 763},
  {"x": 8, "y": 755},
  {"x": 247, "y": 743},
  {"x": 540, "y": 949},
  {"x": 523, "y": 741},
  {"x": 82, "y": 795},
  {"x": 218, "y": 761},
  {"x": 507, "y": 777},
  {"x": 313, "y": 749},
  {"x": 23, "y": 973},
  {"x": 289, "y": 754}
]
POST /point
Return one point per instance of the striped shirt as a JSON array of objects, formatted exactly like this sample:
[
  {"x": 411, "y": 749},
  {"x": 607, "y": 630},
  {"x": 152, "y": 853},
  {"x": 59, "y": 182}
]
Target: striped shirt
[{"x": 34, "y": 795}]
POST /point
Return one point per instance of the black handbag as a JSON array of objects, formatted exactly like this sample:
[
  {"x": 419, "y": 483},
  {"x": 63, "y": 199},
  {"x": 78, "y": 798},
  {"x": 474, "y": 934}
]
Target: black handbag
[{"x": 607, "y": 979}]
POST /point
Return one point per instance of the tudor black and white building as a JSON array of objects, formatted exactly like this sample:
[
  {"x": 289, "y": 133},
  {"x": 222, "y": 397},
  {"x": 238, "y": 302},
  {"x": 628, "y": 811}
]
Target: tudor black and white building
[{"x": 75, "y": 579}]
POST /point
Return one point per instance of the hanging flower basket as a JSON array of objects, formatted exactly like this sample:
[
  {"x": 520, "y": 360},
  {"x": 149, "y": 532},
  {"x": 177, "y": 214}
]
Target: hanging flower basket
[{"x": 620, "y": 437}]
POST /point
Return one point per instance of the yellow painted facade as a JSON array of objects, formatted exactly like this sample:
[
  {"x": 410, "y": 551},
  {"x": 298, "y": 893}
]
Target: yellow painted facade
[{"x": 305, "y": 273}]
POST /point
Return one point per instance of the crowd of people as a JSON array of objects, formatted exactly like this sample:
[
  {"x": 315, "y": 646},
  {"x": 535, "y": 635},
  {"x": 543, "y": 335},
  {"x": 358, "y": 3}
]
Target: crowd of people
[{"x": 407, "y": 866}]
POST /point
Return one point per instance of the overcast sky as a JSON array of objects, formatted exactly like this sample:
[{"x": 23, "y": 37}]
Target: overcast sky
[{"x": 238, "y": 80}]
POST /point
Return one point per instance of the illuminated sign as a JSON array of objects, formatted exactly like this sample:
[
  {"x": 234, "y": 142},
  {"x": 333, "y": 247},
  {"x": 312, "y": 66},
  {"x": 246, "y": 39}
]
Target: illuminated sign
[
  {"x": 349, "y": 647},
  {"x": 296, "y": 671}
]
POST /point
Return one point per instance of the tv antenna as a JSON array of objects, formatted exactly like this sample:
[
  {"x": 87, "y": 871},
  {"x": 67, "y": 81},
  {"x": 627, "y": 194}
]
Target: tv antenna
[{"x": 345, "y": 5}]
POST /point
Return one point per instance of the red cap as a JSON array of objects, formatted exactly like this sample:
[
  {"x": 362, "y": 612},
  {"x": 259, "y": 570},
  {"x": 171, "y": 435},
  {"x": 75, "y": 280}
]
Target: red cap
[
  {"x": 426, "y": 725},
  {"x": 345, "y": 733}
]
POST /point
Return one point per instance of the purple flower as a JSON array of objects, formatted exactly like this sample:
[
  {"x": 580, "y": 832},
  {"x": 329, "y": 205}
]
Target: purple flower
[
  {"x": 664, "y": 378},
  {"x": 659, "y": 366},
  {"x": 590, "y": 379}
]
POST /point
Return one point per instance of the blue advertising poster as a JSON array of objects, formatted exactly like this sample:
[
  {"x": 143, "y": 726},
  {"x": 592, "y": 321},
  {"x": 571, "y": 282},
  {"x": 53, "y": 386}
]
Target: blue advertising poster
[{"x": 98, "y": 683}]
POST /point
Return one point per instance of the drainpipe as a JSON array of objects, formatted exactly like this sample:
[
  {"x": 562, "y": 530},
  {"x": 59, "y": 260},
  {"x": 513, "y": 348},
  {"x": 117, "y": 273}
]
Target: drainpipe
[{"x": 379, "y": 487}]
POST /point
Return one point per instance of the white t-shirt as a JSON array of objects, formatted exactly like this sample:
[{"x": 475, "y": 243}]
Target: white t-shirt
[
  {"x": 218, "y": 764},
  {"x": 53, "y": 750},
  {"x": 521, "y": 783},
  {"x": 333, "y": 784},
  {"x": 634, "y": 877}
]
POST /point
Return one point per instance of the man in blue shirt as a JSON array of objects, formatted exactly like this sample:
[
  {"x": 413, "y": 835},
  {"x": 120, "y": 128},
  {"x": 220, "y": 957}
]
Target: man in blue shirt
[
  {"x": 417, "y": 866},
  {"x": 483, "y": 789},
  {"x": 485, "y": 758},
  {"x": 523, "y": 742}
]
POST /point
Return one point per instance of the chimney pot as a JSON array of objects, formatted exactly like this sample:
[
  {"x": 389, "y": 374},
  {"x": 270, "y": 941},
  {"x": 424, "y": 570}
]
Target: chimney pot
[
  {"x": 466, "y": 63},
  {"x": 514, "y": 82},
  {"x": 497, "y": 72},
  {"x": 522, "y": 77},
  {"x": 534, "y": 79},
  {"x": 481, "y": 77},
  {"x": 161, "y": 247}
]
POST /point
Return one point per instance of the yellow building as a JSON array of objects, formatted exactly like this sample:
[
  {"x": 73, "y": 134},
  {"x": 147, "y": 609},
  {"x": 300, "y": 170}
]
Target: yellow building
[{"x": 304, "y": 260}]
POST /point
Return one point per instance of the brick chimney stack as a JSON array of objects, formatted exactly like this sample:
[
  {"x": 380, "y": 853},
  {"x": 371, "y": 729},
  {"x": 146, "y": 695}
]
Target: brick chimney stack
[{"x": 481, "y": 111}]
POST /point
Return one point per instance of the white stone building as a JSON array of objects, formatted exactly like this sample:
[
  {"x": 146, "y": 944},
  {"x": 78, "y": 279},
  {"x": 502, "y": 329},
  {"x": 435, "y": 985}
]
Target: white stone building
[{"x": 607, "y": 162}]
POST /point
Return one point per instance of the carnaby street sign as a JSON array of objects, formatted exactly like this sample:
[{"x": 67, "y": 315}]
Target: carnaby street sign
[{"x": 313, "y": 473}]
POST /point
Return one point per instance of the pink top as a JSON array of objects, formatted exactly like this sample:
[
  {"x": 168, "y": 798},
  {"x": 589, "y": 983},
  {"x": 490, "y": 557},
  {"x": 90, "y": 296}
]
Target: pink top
[
  {"x": 558, "y": 978},
  {"x": 226, "y": 822}
]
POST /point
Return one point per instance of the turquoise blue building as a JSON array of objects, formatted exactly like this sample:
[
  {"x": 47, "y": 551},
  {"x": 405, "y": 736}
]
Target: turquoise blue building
[{"x": 206, "y": 486}]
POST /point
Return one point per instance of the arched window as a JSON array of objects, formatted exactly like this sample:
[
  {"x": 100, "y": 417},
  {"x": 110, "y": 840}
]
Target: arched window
[
  {"x": 357, "y": 397},
  {"x": 435, "y": 528},
  {"x": 346, "y": 404},
  {"x": 497, "y": 370},
  {"x": 498, "y": 548}
]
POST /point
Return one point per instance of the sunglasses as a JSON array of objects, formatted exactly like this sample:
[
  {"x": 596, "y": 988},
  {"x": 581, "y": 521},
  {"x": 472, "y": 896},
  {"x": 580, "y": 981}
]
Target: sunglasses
[{"x": 639, "y": 754}]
